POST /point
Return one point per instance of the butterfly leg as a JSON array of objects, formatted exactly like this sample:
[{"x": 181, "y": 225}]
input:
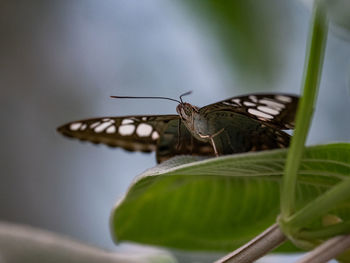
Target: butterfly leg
[
  {"x": 211, "y": 138},
  {"x": 178, "y": 135}
]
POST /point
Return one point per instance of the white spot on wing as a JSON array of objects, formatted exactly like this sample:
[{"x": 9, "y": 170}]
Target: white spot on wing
[
  {"x": 75, "y": 126},
  {"x": 283, "y": 98},
  {"x": 102, "y": 127},
  {"x": 238, "y": 101},
  {"x": 272, "y": 104},
  {"x": 144, "y": 130},
  {"x": 83, "y": 127},
  {"x": 260, "y": 114},
  {"x": 249, "y": 104},
  {"x": 94, "y": 124},
  {"x": 127, "y": 121},
  {"x": 111, "y": 129},
  {"x": 253, "y": 98},
  {"x": 144, "y": 118},
  {"x": 268, "y": 110},
  {"x": 126, "y": 129},
  {"x": 155, "y": 135}
]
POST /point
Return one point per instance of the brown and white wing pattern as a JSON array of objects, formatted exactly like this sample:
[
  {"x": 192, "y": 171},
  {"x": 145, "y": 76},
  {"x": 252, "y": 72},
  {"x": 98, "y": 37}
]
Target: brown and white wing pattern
[
  {"x": 276, "y": 110},
  {"x": 166, "y": 135},
  {"x": 133, "y": 133}
]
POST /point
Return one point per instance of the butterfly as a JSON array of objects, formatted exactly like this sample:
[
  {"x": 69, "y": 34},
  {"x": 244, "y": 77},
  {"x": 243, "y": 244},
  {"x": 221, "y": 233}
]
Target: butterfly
[{"x": 252, "y": 122}]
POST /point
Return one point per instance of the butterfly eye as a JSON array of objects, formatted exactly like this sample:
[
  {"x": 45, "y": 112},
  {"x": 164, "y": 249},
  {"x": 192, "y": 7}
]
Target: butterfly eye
[
  {"x": 181, "y": 110},
  {"x": 183, "y": 114}
]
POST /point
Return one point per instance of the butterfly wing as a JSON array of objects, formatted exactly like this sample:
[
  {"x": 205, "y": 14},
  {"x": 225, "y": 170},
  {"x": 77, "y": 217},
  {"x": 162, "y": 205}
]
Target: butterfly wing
[
  {"x": 133, "y": 133},
  {"x": 161, "y": 133},
  {"x": 177, "y": 140},
  {"x": 275, "y": 110},
  {"x": 238, "y": 133}
]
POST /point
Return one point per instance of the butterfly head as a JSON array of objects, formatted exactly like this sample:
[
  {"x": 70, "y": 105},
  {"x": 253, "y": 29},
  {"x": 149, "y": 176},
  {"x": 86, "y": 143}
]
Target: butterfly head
[{"x": 186, "y": 111}]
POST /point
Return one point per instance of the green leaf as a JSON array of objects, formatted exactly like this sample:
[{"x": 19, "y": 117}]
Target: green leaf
[{"x": 221, "y": 203}]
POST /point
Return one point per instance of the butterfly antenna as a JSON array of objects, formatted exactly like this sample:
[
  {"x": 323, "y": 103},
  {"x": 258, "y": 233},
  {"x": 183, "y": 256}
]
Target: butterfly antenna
[
  {"x": 185, "y": 94},
  {"x": 136, "y": 97}
]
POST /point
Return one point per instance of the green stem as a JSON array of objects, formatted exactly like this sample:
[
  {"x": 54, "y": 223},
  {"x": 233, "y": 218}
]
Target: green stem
[
  {"x": 326, "y": 232},
  {"x": 320, "y": 206},
  {"x": 312, "y": 74}
]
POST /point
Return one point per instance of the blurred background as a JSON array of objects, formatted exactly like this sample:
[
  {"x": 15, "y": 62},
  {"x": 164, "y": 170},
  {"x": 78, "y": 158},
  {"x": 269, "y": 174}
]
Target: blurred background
[{"x": 61, "y": 60}]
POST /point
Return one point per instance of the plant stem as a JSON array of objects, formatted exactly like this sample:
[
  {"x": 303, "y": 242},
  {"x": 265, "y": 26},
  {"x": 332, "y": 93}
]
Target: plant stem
[
  {"x": 328, "y": 250},
  {"x": 326, "y": 232},
  {"x": 320, "y": 206},
  {"x": 312, "y": 74},
  {"x": 257, "y": 247}
]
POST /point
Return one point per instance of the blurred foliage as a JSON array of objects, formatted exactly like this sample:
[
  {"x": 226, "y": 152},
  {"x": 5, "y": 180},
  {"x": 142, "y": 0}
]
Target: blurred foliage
[
  {"x": 251, "y": 34},
  {"x": 21, "y": 243},
  {"x": 339, "y": 12}
]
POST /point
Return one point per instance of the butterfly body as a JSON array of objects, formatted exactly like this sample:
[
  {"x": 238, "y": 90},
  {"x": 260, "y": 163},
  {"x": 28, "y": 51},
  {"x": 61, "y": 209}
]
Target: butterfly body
[
  {"x": 230, "y": 132},
  {"x": 240, "y": 124}
]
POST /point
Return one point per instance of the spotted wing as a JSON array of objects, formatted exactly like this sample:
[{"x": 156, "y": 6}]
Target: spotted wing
[
  {"x": 161, "y": 133},
  {"x": 133, "y": 133},
  {"x": 276, "y": 110}
]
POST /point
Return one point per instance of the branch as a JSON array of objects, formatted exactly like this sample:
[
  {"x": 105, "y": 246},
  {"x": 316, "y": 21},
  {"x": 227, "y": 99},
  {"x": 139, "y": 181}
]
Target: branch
[
  {"x": 328, "y": 250},
  {"x": 257, "y": 247}
]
